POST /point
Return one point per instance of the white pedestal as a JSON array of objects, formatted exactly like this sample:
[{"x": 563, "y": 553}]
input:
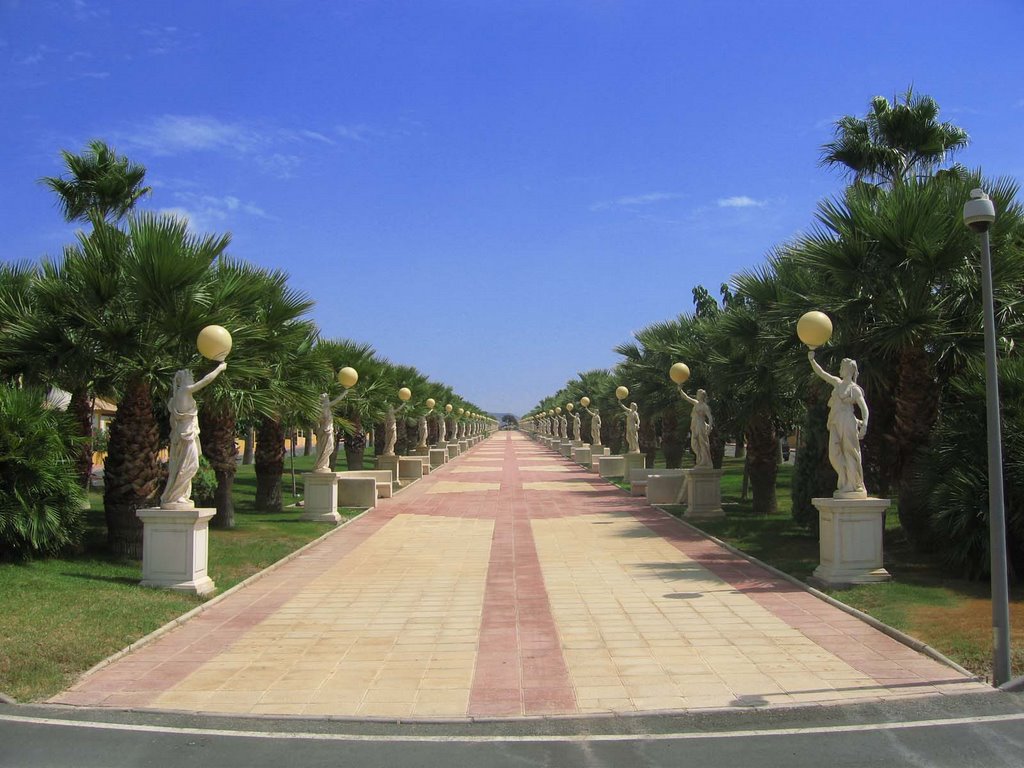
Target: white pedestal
[
  {"x": 438, "y": 456},
  {"x": 320, "y": 497},
  {"x": 703, "y": 492},
  {"x": 850, "y": 541},
  {"x": 565, "y": 448},
  {"x": 175, "y": 547},
  {"x": 453, "y": 450},
  {"x": 410, "y": 468},
  {"x": 665, "y": 488},
  {"x": 581, "y": 455},
  {"x": 421, "y": 450}
]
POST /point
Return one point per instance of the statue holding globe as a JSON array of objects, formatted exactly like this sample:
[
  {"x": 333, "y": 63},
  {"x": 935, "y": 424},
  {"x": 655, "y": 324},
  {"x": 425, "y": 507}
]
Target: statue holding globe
[
  {"x": 347, "y": 377},
  {"x": 214, "y": 343}
]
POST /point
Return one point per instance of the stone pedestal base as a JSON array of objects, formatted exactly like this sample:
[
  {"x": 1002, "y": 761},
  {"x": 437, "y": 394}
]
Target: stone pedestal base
[
  {"x": 850, "y": 541},
  {"x": 320, "y": 497},
  {"x": 581, "y": 455},
  {"x": 565, "y": 449},
  {"x": 391, "y": 463},
  {"x": 463, "y": 446},
  {"x": 635, "y": 461},
  {"x": 665, "y": 488},
  {"x": 438, "y": 456},
  {"x": 421, "y": 450},
  {"x": 596, "y": 452},
  {"x": 453, "y": 450},
  {"x": 175, "y": 546},
  {"x": 703, "y": 488}
]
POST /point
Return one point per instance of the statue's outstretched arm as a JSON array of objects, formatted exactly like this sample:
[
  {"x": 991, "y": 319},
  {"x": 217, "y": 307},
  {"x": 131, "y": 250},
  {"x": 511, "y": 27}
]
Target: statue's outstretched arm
[
  {"x": 821, "y": 372},
  {"x": 207, "y": 379}
]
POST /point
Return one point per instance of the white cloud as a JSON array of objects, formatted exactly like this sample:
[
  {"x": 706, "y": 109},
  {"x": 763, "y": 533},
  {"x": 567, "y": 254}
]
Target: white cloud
[
  {"x": 353, "y": 132},
  {"x": 208, "y": 213},
  {"x": 632, "y": 201},
  {"x": 277, "y": 164},
  {"x": 741, "y": 201},
  {"x": 169, "y": 134}
]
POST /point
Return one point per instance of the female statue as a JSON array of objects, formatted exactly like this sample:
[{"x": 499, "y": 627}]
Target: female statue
[
  {"x": 390, "y": 432},
  {"x": 701, "y": 424},
  {"x": 325, "y": 432},
  {"x": 422, "y": 432},
  {"x": 845, "y": 430},
  {"x": 576, "y": 427},
  {"x": 183, "y": 456},
  {"x": 632, "y": 427},
  {"x": 595, "y": 426}
]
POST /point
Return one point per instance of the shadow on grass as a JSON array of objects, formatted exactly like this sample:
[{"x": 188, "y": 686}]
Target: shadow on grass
[{"x": 125, "y": 580}]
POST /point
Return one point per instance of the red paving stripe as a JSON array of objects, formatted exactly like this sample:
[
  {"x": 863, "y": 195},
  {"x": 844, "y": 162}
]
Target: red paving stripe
[{"x": 520, "y": 669}]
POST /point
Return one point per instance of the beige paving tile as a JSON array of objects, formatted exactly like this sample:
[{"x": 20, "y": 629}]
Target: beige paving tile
[{"x": 399, "y": 614}]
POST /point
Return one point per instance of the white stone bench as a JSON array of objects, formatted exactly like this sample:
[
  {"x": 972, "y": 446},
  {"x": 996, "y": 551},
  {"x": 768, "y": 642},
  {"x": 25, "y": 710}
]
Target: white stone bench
[
  {"x": 638, "y": 478},
  {"x": 611, "y": 466},
  {"x": 665, "y": 488},
  {"x": 410, "y": 468},
  {"x": 438, "y": 456},
  {"x": 359, "y": 492},
  {"x": 383, "y": 477}
]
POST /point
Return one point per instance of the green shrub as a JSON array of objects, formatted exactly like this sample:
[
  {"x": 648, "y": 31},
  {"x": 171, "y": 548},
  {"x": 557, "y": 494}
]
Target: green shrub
[
  {"x": 204, "y": 484},
  {"x": 954, "y": 477},
  {"x": 41, "y": 500}
]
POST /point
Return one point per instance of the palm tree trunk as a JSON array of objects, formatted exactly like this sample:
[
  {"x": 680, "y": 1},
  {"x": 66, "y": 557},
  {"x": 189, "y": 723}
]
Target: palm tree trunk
[
  {"x": 763, "y": 459},
  {"x": 648, "y": 441},
  {"x": 307, "y": 440},
  {"x": 250, "y": 445},
  {"x": 355, "y": 445},
  {"x": 917, "y": 408},
  {"x": 80, "y": 408},
  {"x": 217, "y": 426},
  {"x": 671, "y": 440},
  {"x": 269, "y": 464},
  {"x": 132, "y": 473}
]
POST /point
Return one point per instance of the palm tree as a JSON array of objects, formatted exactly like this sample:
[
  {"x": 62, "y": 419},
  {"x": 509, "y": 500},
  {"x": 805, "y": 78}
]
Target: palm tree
[
  {"x": 895, "y": 142},
  {"x": 140, "y": 301},
  {"x": 898, "y": 271},
  {"x": 99, "y": 183}
]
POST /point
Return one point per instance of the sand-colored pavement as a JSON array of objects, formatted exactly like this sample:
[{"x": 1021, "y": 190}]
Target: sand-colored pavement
[{"x": 511, "y": 583}]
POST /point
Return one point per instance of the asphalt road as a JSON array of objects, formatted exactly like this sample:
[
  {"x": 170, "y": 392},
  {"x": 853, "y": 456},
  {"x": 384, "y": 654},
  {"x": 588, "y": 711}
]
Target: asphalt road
[{"x": 967, "y": 731}]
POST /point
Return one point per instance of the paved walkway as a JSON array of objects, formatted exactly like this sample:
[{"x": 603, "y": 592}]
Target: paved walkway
[{"x": 513, "y": 583}]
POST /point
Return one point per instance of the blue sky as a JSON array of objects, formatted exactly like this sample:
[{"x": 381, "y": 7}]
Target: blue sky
[{"x": 495, "y": 192}]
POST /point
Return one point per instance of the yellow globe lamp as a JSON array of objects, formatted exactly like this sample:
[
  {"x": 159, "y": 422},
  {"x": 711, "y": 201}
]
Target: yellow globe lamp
[
  {"x": 585, "y": 402},
  {"x": 569, "y": 407},
  {"x": 679, "y": 373},
  {"x": 621, "y": 393},
  {"x": 404, "y": 394},
  {"x": 214, "y": 343},
  {"x": 348, "y": 377},
  {"x": 814, "y": 328},
  {"x": 448, "y": 408},
  {"x": 461, "y": 411},
  {"x": 558, "y": 409},
  {"x": 431, "y": 403}
]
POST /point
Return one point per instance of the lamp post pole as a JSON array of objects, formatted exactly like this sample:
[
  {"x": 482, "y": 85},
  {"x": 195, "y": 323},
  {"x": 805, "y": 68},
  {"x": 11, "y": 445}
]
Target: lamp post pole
[{"x": 979, "y": 213}]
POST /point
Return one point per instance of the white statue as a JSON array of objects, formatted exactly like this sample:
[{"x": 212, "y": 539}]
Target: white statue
[
  {"x": 325, "y": 432},
  {"x": 442, "y": 430},
  {"x": 183, "y": 456},
  {"x": 595, "y": 426},
  {"x": 701, "y": 425},
  {"x": 422, "y": 429},
  {"x": 632, "y": 427},
  {"x": 391, "y": 430},
  {"x": 563, "y": 426},
  {"x": 845, "y": 430},
  {"x": 576, "y": 427}
]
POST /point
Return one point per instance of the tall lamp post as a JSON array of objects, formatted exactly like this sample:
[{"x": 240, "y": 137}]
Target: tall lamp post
[{"x": 979, "y": 214}]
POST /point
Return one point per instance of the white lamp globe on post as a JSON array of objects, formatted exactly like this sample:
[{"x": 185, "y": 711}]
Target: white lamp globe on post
[
  {"x": 585, "y": 402},
  {"x": 348, "y": 377},
  {"x": 979, "y": 215},
  {"x": 214, "y": 343},
  {"x": 814, "y": 328},
  {"x": 404, "y": 394},
  {"x": 621, "y": 393},
  {"x": 679, "y": 373}
]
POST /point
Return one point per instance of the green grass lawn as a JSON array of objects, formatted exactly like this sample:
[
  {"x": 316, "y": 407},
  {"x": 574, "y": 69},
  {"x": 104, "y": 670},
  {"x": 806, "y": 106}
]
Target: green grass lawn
[
  {"x": 952, "y": 615},
  {"x": 62, "y": 615}
]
